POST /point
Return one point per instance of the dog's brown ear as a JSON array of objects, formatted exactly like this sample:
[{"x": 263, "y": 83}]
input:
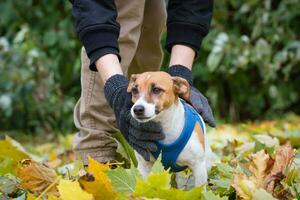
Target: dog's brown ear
[
  {"x": 133, "y": 78},
  {"x": 181, "y": 87}
]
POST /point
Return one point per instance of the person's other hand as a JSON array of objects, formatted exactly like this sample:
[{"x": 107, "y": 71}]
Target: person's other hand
[
  {"x": 141, "y": 136},
  {"x": 196, "y": 99}
]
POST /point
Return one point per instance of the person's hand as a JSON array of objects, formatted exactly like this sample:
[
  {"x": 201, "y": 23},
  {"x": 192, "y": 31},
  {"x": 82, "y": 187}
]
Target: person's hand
[
  {"x": 141, "y": 136},
  {"x": 196, "y": 98}
]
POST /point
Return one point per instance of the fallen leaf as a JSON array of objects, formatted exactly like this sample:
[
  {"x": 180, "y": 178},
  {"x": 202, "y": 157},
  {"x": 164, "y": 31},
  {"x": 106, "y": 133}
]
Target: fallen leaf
[
  {"x": 54, "y": 163},
  {"x": 124, "y": 149},
  {"x": 14, "y": 149},
  {"x": 70, "y": 190},
  {"x": 262, "y": 194},
  {"x": 78, "y": 166},
  {"x": 52, "y": 197},
  {"x": 8, "y": 184},
  {"x": 292, "y": 175},
  {"x": 30, "y": 196},
  {"x": 123, "y": 180},
  {"x": 100, "y": 185},
  {"x": 266, "y": 173},
  {"x": 96, "y": 166},
  {"x": 183, "y": 180},
  {"x": 211, "y": 196},
  {"x": 260, "y": 163},
  {"x": 11, "y": 152},
  {"x": 157, "y": 166},
  {"x": 154, "y": 183},
  {"x": 157, "y": 185},
  {"x": 283, "y": 157},
  {"x": 267, "y": 140},
  {"x": 243, "y": 186},
  {"x": 226, "y": 170},
  {"x": 52, "y": 156},
  {"x": 37, "y": 177}
]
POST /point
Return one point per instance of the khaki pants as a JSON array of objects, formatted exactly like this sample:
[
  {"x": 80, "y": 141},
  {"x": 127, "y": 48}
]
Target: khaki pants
[{"x": 142, "y": 22}]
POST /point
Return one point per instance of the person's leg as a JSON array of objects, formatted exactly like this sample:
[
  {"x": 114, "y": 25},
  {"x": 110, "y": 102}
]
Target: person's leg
[
  {"x": 149, "y": 55},
  {"x": 131, "y": 19},
  {"x": 94, "y": 118},
  {"x": 92, "y": 115}
]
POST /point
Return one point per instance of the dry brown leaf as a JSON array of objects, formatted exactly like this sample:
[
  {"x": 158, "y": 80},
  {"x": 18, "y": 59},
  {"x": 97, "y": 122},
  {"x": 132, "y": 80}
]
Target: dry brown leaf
[
  {"x": 259, "y": 165},
  {"x": 283, "y": 158},
  {"x": 267, "y": 173},
  {"x": 37, "y": 177},
  {"x": 272, "y": 181}
]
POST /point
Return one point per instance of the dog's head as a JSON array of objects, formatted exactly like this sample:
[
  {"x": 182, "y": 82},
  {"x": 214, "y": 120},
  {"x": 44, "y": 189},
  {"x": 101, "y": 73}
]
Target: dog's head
[{"x": 154, "y": 92}]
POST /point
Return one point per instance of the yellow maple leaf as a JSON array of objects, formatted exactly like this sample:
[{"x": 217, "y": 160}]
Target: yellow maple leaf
[
  {"x": 52, "y": 156},
  {"x": 30, "y": 196},
  {"x": 70, "y": 190},
  {"x": 37, "y": 177},
  {"x": 96, "y": 166},
  {"x": 12, "y": 149},
  {"x": 100, "y": 185},
  {"x": 52, "y": 197}
]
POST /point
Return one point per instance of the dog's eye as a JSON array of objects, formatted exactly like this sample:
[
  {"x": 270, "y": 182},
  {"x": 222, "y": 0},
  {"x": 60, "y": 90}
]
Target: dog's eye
[
  {"x": 134, "y": 91},
  {"x": 156, "y": 90}
]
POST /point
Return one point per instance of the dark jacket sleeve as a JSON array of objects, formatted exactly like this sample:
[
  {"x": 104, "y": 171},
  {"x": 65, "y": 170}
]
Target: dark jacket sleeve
[
  {"x": 97, "y": 28},
  {"x": 188, "y": 22}
]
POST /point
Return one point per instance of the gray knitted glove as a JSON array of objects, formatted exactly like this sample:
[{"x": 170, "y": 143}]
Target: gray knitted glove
[
  {"x": 141, "y": 136},
  {"x": 197, "y": 99}
]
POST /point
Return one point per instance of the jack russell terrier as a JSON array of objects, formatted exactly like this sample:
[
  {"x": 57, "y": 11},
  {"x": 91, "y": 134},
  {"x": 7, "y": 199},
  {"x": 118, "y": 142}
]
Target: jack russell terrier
[{"x": 156, "y": 97}]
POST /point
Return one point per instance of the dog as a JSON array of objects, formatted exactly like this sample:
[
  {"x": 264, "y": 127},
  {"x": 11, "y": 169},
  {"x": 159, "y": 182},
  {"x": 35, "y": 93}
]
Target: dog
[{"x": 156, "y": 98}]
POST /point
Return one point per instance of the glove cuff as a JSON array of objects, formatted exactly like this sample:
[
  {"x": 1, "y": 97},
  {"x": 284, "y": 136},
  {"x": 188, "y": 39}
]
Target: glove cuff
[
  {"x": 113, "y": 86},
  {"x": 181, "y": 71}
]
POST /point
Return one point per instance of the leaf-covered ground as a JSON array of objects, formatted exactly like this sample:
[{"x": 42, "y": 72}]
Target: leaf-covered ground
[{"x": 256, "y": 161}]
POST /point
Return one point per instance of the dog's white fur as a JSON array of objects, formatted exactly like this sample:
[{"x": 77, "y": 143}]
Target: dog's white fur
[{"x": 172, "y": 119}]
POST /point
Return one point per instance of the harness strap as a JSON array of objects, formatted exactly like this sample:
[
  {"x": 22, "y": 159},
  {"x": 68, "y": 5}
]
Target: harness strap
[{"x": 170, "y": 152}]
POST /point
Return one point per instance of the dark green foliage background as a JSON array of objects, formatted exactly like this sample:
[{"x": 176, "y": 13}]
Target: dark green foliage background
[{"x": 248, "y": 66}]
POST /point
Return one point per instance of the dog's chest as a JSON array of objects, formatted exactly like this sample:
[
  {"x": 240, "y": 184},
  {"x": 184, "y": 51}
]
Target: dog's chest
[
  {"x": 192, "y": 152},
  {"x": 173, "y": 124}
]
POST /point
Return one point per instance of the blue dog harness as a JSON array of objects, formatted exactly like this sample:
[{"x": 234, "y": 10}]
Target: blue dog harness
[{"x": 170, "y": 152}]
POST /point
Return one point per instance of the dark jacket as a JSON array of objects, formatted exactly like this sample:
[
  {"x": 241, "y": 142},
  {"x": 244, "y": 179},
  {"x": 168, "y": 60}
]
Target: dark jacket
[{"x": 188, "y": 23}]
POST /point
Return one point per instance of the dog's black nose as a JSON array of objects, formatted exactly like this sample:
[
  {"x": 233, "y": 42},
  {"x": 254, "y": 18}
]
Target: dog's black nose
[{"x": 138, "y": 110}]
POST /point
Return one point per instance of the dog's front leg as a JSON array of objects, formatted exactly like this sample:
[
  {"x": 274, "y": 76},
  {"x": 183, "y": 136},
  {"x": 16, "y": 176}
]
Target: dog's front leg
[
  {"x": 144, "y": 167},
  {"x": 200, "y": 173}
]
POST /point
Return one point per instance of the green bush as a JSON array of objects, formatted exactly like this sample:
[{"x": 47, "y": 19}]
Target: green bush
[
  {"x": 248, "y": 66},
  {"x": 249, "y": 63},
  {"x": 39, "y": 64}
]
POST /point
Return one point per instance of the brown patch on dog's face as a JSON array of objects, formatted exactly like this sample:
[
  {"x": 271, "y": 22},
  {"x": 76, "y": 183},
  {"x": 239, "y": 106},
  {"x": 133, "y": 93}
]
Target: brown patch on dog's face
[{"x": 158, "y": 88}]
